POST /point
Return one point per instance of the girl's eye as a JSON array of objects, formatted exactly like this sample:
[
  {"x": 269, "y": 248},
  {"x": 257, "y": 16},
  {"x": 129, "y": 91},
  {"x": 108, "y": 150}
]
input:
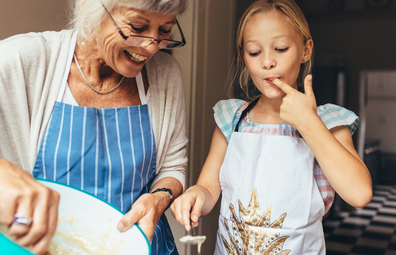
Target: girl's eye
[
  {"x": 254, "y": 54},
  {"x": 138, "y": 29},
  {"x": 282, "y": 50}
]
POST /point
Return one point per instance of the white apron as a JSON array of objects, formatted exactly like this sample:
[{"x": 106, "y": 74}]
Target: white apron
[{"x": 271, "y": 203}]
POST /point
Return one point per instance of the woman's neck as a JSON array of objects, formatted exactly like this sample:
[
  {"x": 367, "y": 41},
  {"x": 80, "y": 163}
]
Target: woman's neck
[
  {"x": 102, "y": 78},
  {"x": 93, "y": 66}
]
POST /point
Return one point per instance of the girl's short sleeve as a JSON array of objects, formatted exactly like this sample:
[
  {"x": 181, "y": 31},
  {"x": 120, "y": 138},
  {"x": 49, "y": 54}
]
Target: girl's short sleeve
[
  {"x": 226, "y": 114},
  {"x": 334, "y": 116}
]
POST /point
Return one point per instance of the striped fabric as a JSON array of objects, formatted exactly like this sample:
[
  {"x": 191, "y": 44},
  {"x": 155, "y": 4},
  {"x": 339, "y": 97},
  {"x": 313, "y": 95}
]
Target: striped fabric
[
  {"x": 82, "y": 144},
  {"x": 228, "y": 112}
]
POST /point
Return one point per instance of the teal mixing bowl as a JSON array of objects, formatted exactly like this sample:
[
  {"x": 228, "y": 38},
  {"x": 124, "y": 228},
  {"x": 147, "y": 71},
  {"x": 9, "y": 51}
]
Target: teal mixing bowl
[
  {"x": 8, "y": 247},
  {"x": 86, "y": 225}
]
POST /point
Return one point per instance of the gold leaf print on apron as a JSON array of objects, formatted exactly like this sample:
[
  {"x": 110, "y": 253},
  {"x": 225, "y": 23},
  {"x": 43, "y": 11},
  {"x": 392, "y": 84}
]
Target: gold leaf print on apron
[{"x": 252, "y": 233}]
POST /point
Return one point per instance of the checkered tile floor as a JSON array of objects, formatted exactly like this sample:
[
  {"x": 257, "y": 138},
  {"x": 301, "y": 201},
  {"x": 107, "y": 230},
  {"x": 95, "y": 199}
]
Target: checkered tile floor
[{"x": 369, "y": 230}]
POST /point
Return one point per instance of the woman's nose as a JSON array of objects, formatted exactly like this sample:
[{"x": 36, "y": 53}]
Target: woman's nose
[{"x": 153, "y": 46}]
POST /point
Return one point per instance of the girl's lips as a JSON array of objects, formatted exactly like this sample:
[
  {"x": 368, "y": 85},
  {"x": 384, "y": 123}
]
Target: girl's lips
[{"x": 270, "y": 80}]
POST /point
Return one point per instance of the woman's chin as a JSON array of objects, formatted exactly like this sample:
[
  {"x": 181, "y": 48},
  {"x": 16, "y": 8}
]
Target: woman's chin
[
  {"x": 130, "y": 68},
  {"x": 130, "y": 74}
]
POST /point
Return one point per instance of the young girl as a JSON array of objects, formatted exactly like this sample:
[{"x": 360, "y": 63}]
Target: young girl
[{"x": 281, "y": 152}]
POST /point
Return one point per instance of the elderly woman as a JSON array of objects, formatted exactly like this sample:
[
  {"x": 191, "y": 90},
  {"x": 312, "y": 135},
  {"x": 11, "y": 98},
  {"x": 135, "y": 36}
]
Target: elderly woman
[{"x": 97, "y": 107}]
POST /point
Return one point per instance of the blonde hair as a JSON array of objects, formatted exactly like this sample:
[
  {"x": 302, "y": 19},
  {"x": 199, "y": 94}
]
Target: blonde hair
[
  {"x": 87, "y": 15},
  {"x": 293, "y": 14}
]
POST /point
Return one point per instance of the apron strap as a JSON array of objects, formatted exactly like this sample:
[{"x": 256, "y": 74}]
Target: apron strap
[
  {"x": 250, "y": 106},
  {"x": 140, "y": 85}
]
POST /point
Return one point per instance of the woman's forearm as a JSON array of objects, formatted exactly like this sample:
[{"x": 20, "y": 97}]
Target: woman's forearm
[{"x": 170, "y": 183}]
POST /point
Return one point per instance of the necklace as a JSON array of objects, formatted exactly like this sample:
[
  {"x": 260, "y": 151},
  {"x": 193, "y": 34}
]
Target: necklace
[{"x": 89, "y": 84}]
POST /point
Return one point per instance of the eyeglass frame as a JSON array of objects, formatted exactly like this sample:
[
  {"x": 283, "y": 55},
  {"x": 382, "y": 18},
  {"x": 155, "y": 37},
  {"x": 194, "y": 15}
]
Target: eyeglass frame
[{"x": 152, "y": 39}]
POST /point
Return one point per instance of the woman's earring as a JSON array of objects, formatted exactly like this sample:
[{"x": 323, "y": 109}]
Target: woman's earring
[{"x": 83, "y": 43}]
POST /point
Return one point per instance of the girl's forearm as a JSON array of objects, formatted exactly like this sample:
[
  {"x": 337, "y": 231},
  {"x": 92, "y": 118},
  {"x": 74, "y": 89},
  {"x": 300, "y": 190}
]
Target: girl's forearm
[
  {"x": 211, "y": 198},
  {"x": 208, "y": 181}
]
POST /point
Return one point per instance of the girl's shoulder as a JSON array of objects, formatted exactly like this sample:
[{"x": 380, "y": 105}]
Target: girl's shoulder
[
  {"x": 227, "y": 113},
  {"x": 333, "y": 116}
]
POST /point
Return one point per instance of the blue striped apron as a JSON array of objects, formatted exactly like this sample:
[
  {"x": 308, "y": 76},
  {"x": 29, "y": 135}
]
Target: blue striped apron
[{"x": 109, "y": 153}]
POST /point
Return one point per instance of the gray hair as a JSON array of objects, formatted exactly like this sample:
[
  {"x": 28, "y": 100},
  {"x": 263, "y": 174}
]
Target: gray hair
[{"x": 87, "y": 15}]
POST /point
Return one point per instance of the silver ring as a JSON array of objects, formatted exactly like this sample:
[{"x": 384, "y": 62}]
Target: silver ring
[{"x": 21, "y": 220}]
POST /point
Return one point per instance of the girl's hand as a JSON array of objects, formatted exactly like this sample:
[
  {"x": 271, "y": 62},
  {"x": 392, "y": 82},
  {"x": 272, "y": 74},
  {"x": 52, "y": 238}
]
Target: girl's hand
[
  {"x": 187, "y": 208},
  {"x": 297, "y": 108},
  {"x": 22, "y": 194},
  {"x": 201, "y": 198}
]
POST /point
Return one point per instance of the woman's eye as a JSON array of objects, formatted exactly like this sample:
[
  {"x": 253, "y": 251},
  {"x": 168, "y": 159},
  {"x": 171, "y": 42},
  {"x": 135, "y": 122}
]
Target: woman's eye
[
  {"x": 138, "y": 29},
  {"x": 254, "y": 54},
  {"x": 282, "y": 49},
  {"x": 164, "y": 31}
]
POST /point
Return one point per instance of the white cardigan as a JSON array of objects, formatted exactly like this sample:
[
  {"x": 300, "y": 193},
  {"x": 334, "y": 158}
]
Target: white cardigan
[{"x": 31, "y": 70}]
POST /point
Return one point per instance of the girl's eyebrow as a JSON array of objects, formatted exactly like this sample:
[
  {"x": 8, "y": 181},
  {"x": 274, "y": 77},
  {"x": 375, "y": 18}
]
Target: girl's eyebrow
[
  {"x": 275, "y": 37},
  {"x": 251, "y": 40},
  {"x": 282, "y": 35}
]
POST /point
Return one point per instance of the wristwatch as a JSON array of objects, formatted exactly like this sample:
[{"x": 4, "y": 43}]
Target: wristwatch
[{"x": 164, "y": 190}]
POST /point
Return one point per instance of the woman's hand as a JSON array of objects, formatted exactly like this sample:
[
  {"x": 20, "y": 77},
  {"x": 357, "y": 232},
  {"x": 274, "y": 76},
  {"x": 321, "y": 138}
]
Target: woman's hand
[
  {"x": 187, "y": 208},
  {"x": 146, "y": 212},
  {"x": 297, "y": 109},
  {"x": 22, "y": 194},
  {"x": 148, "y": 208}
]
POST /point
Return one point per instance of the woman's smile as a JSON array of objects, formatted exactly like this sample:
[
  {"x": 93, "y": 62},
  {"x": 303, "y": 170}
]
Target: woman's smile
[{"x": 135, "y": 57}]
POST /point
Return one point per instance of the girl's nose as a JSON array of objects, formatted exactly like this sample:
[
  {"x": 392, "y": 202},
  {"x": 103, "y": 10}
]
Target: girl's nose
[{"x": 268, "y": 63}]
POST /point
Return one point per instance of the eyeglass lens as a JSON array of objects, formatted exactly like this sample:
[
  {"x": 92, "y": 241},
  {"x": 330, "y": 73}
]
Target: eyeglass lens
[{"x": 145, "y": 41}]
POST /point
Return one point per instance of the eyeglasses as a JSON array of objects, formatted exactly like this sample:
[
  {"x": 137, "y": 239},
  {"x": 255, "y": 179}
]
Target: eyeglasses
[{"x": 142, "y": 41}]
